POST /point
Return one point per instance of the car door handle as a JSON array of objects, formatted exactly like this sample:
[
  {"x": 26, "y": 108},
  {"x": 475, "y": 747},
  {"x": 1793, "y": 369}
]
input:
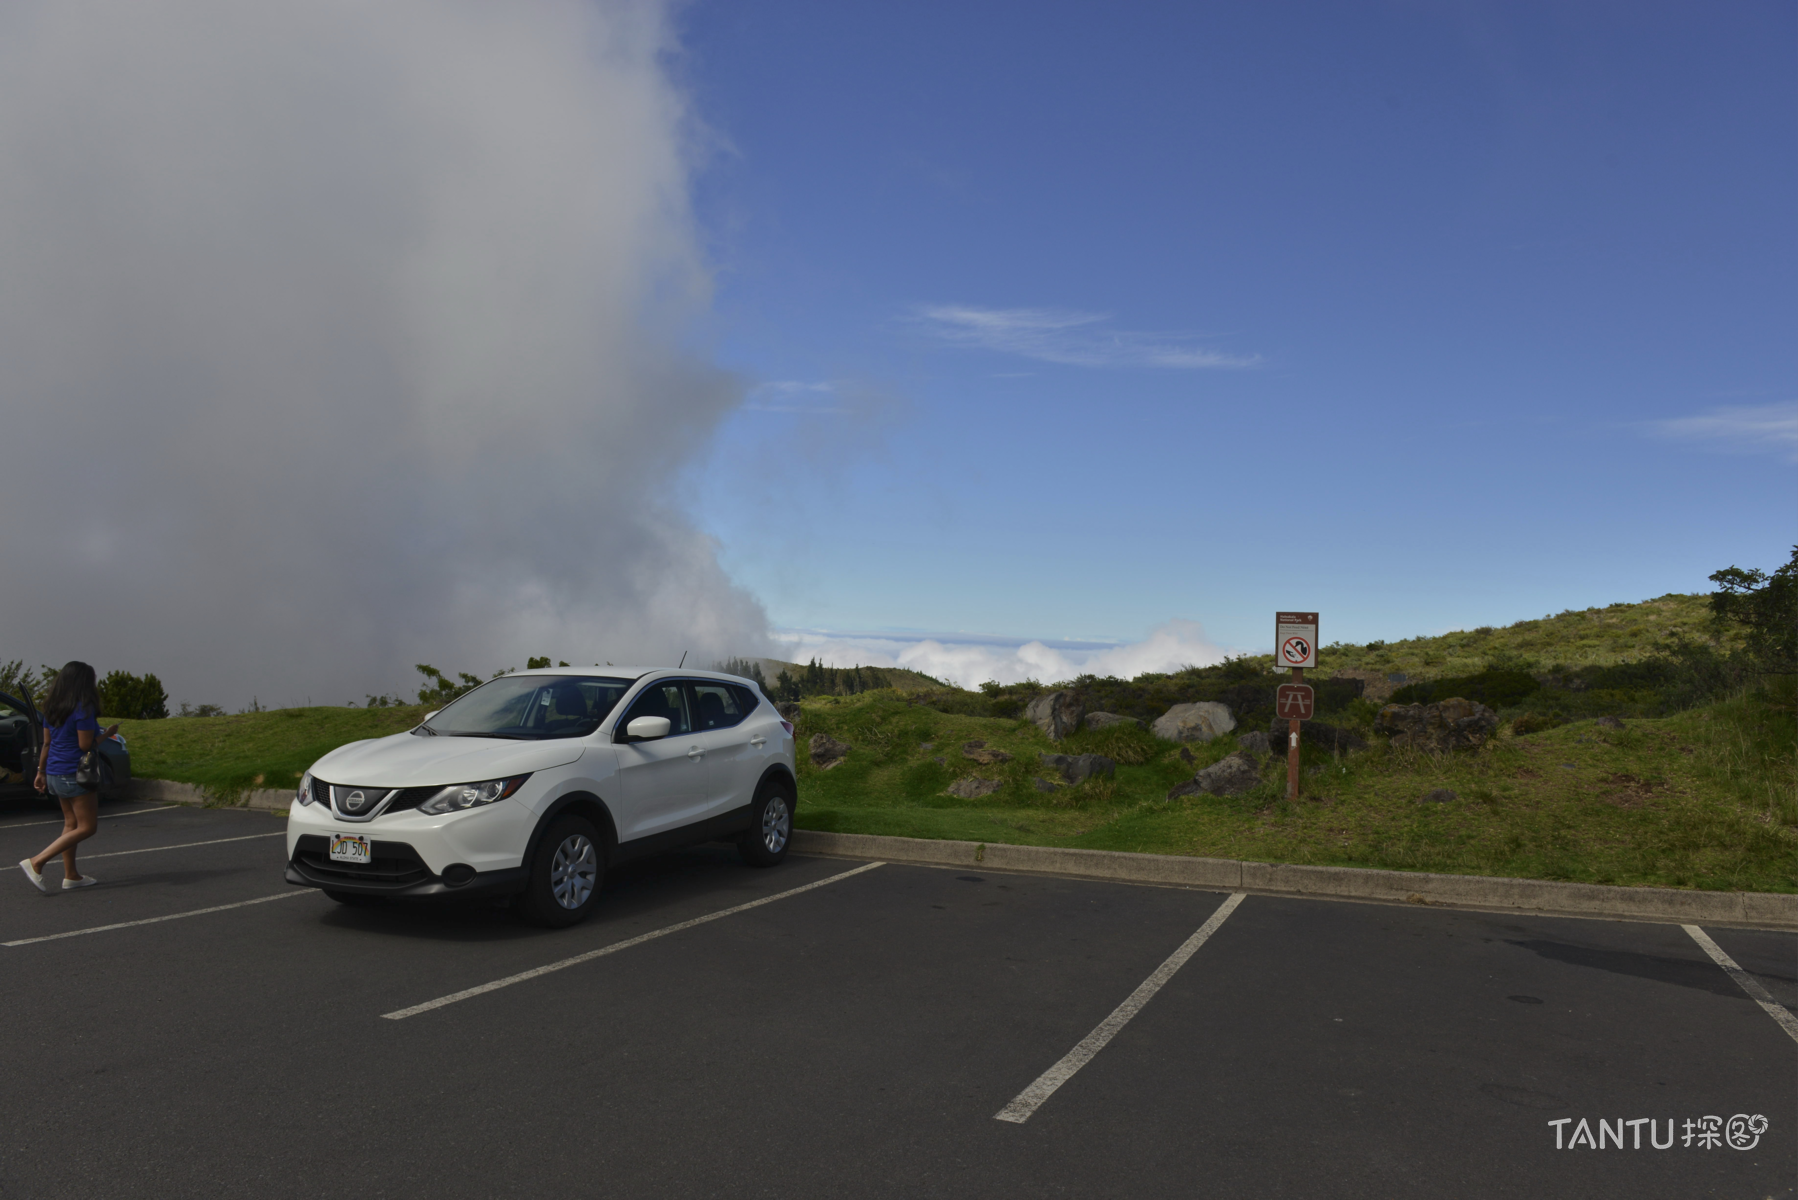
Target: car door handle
[
  {"x": 695, "y": 753},
  {"x": 758, "y": 741}
]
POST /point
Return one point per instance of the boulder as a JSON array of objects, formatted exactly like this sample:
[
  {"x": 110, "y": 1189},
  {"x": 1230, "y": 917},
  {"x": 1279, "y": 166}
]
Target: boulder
[
  {"x": 1256, "y": 743},
  {"x": 789, "y": 711},
  {"x": 1438, "y": 796},
  {"x": 983, "y": 754},
  {"x": 1198, "y": 722},
  {"x": 1229, "y": 776},
  {"x": 1452, "y": 724},
  {"x": 826, "y": 751},
  {"x": 972, "y": 787},
  {"x": 1313, "y": 733},
  {"x": 1075, "y": 767},
  {"x": 1043, "y": 785},
  {"x": 1105, "y": 720},
  {"x": 1056, "y": 713}
]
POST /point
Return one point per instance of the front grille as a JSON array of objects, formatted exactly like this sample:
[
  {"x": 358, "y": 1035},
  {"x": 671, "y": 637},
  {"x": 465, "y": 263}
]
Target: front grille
[
  {"x": 394, "y": 865},
  {"x": 413, "y": 797}
]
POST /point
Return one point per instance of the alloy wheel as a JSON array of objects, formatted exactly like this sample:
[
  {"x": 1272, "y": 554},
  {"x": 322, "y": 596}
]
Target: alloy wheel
[
  {"x": 573, "y": 871},
  {"x": 777, "y": 824}
]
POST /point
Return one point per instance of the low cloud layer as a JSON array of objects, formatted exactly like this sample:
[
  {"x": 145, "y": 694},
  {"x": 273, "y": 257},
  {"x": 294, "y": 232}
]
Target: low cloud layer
[
  {"x": 969, "y": 663},
  {"x": 336, "y": 337}
]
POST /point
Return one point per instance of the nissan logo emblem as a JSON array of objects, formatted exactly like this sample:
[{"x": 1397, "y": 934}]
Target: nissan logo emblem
[{"x": 355, "y": 801}]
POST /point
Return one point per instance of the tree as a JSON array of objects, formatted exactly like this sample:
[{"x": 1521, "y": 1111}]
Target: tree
[
  {"x": 1765, "y": 608},
  {"x": 128, "y": 697}
]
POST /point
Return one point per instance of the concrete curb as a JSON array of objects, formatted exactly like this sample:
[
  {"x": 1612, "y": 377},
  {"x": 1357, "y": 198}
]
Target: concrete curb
[
  {"x": 169, "y": 792},
  {"x": 1751, "y": 910}
]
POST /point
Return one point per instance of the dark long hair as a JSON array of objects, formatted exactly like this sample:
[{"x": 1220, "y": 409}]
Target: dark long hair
[{"x": 73, "y": 691}]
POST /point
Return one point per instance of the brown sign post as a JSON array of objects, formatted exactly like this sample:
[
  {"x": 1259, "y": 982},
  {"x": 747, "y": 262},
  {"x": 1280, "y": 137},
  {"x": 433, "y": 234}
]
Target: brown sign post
[{"x": 1295, "y": 646}]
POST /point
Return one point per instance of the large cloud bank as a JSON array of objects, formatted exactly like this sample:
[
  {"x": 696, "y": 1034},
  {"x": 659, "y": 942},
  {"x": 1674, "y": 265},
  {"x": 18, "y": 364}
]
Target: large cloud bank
[
  {"x": 338, "y": 336},
  {"x": 970, "y": 662}
]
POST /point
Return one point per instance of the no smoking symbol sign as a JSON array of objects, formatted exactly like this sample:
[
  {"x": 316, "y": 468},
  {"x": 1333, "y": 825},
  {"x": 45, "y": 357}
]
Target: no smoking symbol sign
[{"x": 1295, "y": 651}]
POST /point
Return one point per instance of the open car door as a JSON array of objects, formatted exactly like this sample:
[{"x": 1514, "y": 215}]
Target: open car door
[{"x": 21, "y": 733}]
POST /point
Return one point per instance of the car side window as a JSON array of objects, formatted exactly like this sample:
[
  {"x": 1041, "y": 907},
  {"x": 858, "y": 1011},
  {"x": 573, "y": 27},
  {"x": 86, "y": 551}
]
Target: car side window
[
  {"x": 662, "y": 700},
  {"x": 747, "y": 699},
  {"x": 716, "y": 705}
]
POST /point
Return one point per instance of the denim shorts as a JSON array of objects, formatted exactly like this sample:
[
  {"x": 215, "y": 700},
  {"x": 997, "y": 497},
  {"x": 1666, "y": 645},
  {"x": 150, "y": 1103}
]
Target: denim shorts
[{"x": 64, "y": 787}]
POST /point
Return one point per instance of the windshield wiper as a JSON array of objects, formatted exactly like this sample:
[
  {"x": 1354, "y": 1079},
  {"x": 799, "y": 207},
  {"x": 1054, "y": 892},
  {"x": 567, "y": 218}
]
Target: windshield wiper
[
  {"x": 426, "y": 730},
  {"x": 510, "y": 737}
]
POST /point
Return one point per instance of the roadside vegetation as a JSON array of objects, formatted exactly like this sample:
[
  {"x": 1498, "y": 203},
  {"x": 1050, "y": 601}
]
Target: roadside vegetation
[{"x": 1698, "y": 786}]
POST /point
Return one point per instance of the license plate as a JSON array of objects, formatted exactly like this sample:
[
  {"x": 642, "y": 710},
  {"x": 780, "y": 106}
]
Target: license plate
[{"x": 349, "y": 848}]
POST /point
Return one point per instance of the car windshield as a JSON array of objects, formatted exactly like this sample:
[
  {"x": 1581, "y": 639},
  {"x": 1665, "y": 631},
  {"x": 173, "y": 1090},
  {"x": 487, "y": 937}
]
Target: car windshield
[{"x": 530, "y": 707}]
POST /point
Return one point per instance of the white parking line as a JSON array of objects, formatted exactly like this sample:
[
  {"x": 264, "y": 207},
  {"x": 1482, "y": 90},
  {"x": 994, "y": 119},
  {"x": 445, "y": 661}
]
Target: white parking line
[
  {"x": 1032, "y": 1097},
  {"x": 103, "y": 816},
  {"x": 198, "y": 912},
  {"x": 248, "y": 837},
  {"x": 1745, "y": 981},
  {"x": 590, "y": 955}
]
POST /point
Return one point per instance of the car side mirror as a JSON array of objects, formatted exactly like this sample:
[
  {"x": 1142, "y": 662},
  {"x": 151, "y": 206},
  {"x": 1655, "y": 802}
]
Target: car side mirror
[{"x": 648, "y": 729}]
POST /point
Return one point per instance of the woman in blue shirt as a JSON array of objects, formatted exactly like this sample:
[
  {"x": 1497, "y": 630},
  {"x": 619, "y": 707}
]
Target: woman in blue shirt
[{"x": 71, "y": 728}]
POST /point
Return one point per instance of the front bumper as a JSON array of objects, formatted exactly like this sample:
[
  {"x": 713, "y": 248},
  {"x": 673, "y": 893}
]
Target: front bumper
[{"x": 397, "y": 870}]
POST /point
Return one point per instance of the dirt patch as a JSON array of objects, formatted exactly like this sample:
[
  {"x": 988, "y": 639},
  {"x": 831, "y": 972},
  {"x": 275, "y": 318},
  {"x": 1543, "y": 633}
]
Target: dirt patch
[{"x": 1631, "y": 791}]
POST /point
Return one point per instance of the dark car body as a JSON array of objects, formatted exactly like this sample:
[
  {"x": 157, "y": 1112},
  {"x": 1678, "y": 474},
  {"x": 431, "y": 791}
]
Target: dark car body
[{"x": 22, "y": 736}]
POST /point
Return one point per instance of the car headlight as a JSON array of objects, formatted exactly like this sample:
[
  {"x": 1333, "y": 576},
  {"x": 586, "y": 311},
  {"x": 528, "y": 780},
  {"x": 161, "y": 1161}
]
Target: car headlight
[
  {"x": 303, "y": 793},
  {"x": 459, "y": 796}
]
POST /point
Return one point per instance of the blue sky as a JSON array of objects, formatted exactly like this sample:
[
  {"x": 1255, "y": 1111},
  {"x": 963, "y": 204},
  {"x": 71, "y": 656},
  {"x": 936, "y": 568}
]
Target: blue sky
[{"x": 1068, "y": 320}]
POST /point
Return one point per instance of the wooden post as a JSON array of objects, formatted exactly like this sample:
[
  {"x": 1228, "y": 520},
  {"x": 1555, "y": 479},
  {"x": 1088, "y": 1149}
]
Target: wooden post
[{"x": 1292, "y": 746}]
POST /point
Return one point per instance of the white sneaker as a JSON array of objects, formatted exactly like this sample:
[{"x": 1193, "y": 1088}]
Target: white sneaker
[
  {"x": 37, "y": 880},
  {"x": 84, "y": 881}
]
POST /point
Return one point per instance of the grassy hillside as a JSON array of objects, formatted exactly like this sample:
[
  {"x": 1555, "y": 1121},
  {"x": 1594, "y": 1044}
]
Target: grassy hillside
[
  {"x": 1593, "y": 637},
  {"x": 1703, "y": 798},
  {"x": 1681, "y": 796}
]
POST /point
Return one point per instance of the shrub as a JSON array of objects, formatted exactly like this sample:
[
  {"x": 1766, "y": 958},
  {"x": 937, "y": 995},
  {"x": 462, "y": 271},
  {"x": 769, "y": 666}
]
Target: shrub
[
  {"x": 1501, "y": 688},
  {"x": 1536, "y": 722},
  {"x": 128, "y": 697}
]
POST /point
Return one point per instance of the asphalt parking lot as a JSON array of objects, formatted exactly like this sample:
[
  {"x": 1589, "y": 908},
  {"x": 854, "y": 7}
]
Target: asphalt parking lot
[{"x": 860, "y": 1037}]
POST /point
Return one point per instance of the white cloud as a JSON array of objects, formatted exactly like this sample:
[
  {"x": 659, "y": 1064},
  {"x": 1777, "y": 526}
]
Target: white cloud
[
  {"x": 347, "y": 336},
  {"x": 1763, "y": 427},
  {"x": 969, "y": 662},
  {"x": 1063, "y": 336}
]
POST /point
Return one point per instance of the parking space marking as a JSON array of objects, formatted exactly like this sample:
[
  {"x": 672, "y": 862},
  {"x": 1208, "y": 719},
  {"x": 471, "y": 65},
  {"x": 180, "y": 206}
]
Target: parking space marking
[
  {"x": 104, "y": 817},
  {"x": 1032, "y": 1097},
  {"x": 198, "y": 912},
  {"x": 1745, "y": 981},
  {"x": 590, "y": 955},
  {"x": 248, "y": 837}
]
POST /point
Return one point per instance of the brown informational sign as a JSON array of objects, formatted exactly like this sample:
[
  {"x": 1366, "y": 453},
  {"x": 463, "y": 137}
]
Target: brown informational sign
[
  {"x": 1295, "y": 640},
  {"x": 1294, "y": 701}
]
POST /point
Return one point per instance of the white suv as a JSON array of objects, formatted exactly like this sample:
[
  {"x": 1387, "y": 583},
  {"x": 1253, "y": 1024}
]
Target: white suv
[{"x": 533, "y": 783}]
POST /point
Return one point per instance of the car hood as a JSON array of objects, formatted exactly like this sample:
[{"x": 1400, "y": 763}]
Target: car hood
[{"x": 405, "y": 760}]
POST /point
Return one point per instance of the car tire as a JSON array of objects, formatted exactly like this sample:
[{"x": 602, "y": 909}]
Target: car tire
[
  {"x": 566, "y": 874},
  {"x": 770, "y": 833}
]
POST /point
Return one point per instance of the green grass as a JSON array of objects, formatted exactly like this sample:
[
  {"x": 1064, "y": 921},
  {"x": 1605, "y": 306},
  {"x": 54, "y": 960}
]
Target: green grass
[
  {"x": 230, "y": 755},
  {"x": 1593, "y": 637},
  {"x": 1700, "y": 799}
]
